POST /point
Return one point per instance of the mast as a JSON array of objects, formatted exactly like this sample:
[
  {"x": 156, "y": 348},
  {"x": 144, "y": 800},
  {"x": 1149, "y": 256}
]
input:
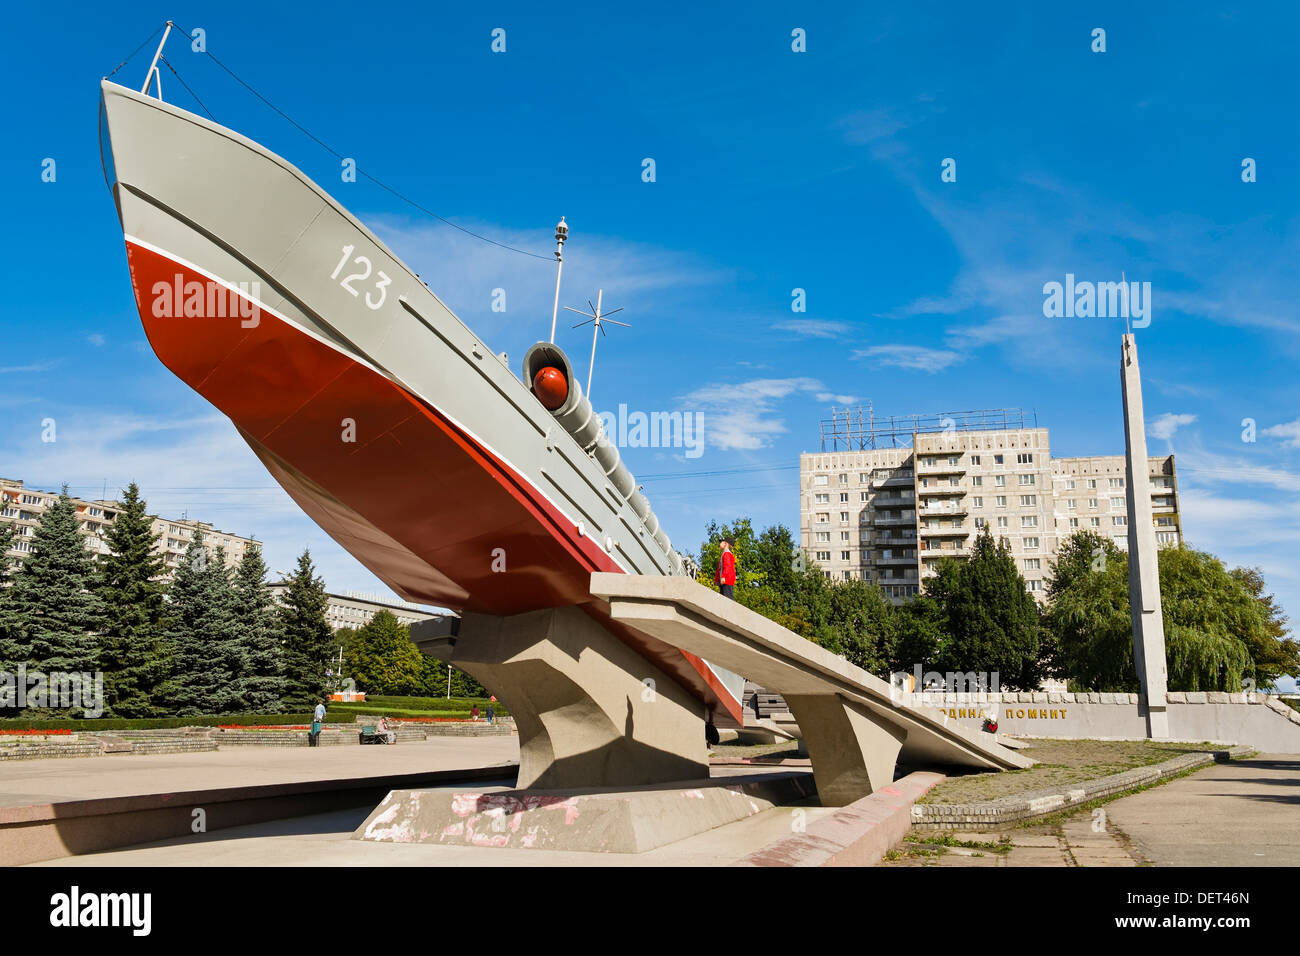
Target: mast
[
  {"x": 600, "y": 319},
  {"x": 153, "y": 73},
  {"x": 561, "y": 234}
]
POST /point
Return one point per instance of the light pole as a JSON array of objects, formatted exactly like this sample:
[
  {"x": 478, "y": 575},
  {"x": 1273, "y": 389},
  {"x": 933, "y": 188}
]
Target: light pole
[{"x": 561, "y": 234}]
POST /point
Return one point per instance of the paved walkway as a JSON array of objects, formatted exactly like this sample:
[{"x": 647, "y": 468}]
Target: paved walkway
[
  {"x": 1233, "y": 814},
  {"x": 25, "y": 782}
]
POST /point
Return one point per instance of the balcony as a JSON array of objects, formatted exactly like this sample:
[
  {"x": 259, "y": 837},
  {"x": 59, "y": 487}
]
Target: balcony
[
  {"x": 941, "y": 490},
  {"x": 941, "y": 469},
  {"x": 893, "y": 501},
  {"x": 909, "y": 559},
  {"x": 908, "y": 520},
  {"x": 955, "y": 510},
  {"x": 958, "y": 532},
  {"x": 934, "y": 554}
]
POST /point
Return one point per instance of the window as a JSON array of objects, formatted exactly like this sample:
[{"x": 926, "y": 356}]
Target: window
[
  {"x": 1024, "y": 458},
  {"x": 864, "y": 478},
  {"x": 846, "y": 555},
  {"x": 844, "y": 516},
  {"x": 1166, "y": 537},
  {"x": 1092, "y": 482},
  {"x": 848, "y": 575},
  {"x": 1119, "y": 520},
  {"x": 820, "y": 479},
  {"x": 1074, "y": 522},
  {"x": 844, "y": 536},
  {"x": 822, "y": 536},
  {"x": 1029, "y": 521},
  {"x": 977, "y": 481},
  {"x": 1030, "y": 544},
  {"x": 1029, "y": 499},
  {"x": 1000, "y": 501},
  {"x": 974, "y": 459},
  {"x": 823, "y": 555},
  {"x": 1092, "y": 503},
  {"x": 927, "y": 462},
  {"x": 1117, "y": 482},
  {"x": 864, "y": 496},
  {"x": 1033, "y": 564},
  {"x": 844, "y": 497},
  {"x": 1027, "y": 479},
  {"x": 822, "y": 499},
  {"x": 1116, "y": 504},
  {"x": 844, "y": 479},
  {"x": 979, "y": 502},
  {"x": 981, "y": 522},
  {"x": 1094, "y": 522},
  {"x": 954, "y": 459},
  {"x": 1069, "y": 485},
  {"x": 823, "y": 517},
  {"x": 1002, "y": 521},
  {"x": 1072, "y": 504},
  {"x": 1034, "y": 585},
  {"x": 997, "y": 459},
  {"x": 1000, "y": 481}
]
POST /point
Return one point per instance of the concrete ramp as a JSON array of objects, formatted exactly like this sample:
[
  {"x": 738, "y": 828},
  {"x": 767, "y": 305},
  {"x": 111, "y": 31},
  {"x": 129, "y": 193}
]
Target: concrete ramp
[{"x": 854, "y": 727}]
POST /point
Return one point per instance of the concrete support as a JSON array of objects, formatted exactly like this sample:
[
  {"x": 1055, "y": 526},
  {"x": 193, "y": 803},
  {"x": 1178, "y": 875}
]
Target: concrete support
[
  {"x": 853, "y": 751},
  {"x": 590, "y": 711},
  {"x": 1143, "y": 570}
]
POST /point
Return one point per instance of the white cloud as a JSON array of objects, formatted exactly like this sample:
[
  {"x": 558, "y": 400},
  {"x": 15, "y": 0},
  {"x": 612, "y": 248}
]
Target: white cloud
[
  {"x": 742, "y": 416},
  {"x": 96, "y": 339},
  {"x": 1289, "y": 432},
  {"x": 913, "y": 357},
  {"x": 814, "y": 328},
  {"x": 1165, "y": 425}
]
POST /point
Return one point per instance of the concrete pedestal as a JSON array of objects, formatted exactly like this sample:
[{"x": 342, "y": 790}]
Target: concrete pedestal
[
  {"x": 853, "y": 751},
  {"x": 590, "y": 711}
]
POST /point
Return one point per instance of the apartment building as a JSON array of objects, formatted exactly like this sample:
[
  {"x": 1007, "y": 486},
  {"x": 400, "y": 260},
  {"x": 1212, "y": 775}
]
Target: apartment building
[
  {"x": 24, "y": 506},
  {"x": 889, "y": 515},
  {"x": 356, "y": 609}
]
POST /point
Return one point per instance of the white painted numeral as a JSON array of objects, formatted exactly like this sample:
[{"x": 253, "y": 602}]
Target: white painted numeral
[{"x": 381, "y": 286}]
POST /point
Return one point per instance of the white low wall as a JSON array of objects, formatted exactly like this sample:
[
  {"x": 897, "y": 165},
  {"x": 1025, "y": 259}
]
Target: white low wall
[{"x": 1263, "y": 722}]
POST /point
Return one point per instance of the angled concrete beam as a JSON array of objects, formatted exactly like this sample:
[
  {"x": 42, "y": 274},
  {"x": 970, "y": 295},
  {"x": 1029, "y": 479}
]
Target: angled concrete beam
[{"x": 835, "y": 702}]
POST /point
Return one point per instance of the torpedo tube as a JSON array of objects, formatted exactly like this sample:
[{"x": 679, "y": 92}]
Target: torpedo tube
[{"x": 551, "y": 379}]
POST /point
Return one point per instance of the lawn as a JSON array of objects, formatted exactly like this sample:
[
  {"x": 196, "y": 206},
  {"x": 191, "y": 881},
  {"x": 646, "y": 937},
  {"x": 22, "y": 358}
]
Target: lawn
[{"x": 1059, "y": 762}]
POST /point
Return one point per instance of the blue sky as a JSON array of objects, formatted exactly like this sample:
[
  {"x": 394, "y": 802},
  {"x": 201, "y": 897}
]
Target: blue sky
[{"x": 775, "y": 170}]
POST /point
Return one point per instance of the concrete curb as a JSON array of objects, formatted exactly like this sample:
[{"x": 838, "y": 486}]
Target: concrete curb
[
  {"x": 1007, "y": 811},
  {"x": 857, "y": 835},
  {"x": 48, "y": 831}
]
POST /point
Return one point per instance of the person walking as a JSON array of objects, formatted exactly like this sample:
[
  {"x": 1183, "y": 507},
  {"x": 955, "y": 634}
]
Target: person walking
[
  {"x": 318, "y": 717},
  {"x": 726, "y": 573},
  {"x": 491, "y": 710}
]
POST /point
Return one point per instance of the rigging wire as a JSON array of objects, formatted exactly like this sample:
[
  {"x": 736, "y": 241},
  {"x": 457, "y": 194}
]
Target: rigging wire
[
  {"x": 337, "y": 155},
  {"x": 187, "y": 88},
  {"x": 136, "y": 50}
]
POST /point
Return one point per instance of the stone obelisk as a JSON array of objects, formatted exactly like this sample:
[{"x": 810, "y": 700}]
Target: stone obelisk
[{"x": 1143, "y": 572}]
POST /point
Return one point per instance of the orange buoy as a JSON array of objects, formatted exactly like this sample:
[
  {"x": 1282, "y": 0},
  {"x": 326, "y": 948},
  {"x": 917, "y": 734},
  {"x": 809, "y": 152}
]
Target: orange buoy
[{"x": 551, "y": 387}]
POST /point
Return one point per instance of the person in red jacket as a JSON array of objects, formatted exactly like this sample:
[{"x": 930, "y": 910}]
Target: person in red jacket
[{"x": 726, "y": 573}]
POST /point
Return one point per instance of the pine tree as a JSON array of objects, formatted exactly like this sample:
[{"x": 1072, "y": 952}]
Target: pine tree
[
  {"x": 388, "y": 662},
  {"x": 262, "y": 684},
  {"x": 52, "y": 597},
  {"x": 9, "y": 629},
  {"x": 133, "y": 652},
  {"x": 202, "y": 633},
  {"x": 307, "y": 636}
]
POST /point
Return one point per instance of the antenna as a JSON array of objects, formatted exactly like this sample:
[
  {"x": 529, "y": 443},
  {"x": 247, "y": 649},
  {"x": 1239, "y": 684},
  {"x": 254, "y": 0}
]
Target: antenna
[
  {"x": 599, "y": 318},
  {"x": 561, "y": 234},
  {"x": 153, "y": 74}
]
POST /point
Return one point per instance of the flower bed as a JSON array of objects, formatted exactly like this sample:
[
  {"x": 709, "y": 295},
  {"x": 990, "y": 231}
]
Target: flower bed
[{"x": 33, "y": 733}]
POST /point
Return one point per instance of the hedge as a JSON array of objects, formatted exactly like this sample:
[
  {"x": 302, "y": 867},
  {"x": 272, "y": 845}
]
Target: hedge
[{"x": 153, "y": 723}]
